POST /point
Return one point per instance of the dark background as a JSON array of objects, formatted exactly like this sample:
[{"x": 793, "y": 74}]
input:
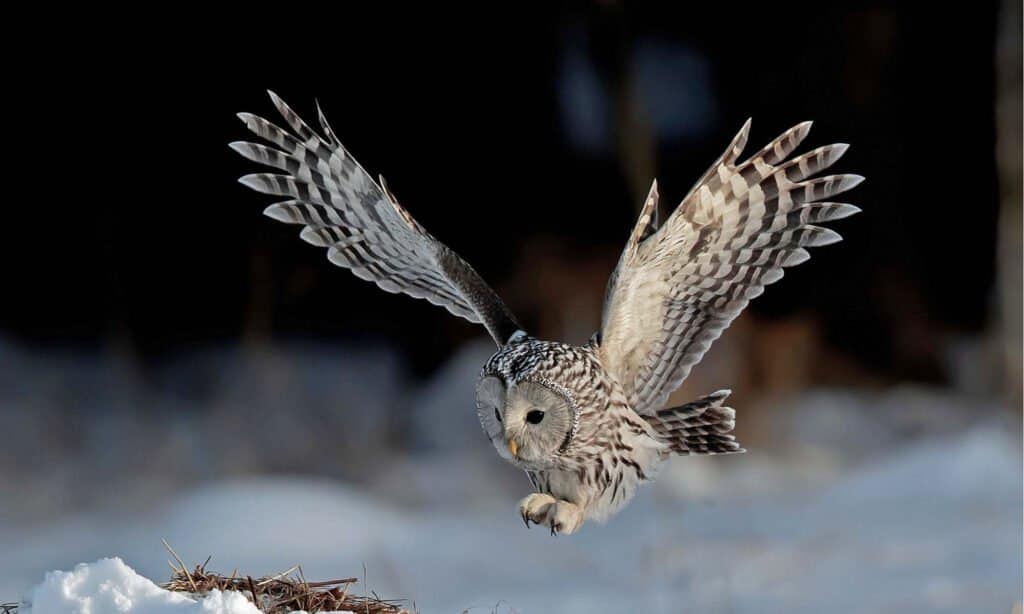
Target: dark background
[{"x": 130, "y": 231}]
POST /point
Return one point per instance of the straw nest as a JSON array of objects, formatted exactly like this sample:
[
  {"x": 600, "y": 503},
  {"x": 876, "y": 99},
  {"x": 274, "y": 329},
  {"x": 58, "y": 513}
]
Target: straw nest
[
  {"x": 280, "y": 593},
  {"x": 277, "y": 594}
]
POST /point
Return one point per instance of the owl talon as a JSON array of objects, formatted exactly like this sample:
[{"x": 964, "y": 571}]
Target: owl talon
[
  {"x": 565, "y": 518},
  {"x": 562, "y": 517},
  {"x": 536, "y": 508}
]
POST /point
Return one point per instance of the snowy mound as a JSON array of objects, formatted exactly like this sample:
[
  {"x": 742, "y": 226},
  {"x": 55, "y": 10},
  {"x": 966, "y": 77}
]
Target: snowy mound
[{"x": 108, "y": 586}]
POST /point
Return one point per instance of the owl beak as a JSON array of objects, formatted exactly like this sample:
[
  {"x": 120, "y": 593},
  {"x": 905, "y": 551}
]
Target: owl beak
[{"x": 513, "y": 447}]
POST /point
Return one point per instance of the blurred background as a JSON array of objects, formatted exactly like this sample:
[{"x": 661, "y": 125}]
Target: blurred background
[{"x": 176, "y": 365}]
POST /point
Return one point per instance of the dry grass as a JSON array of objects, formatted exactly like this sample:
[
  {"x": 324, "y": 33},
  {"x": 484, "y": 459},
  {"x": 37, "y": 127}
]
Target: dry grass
[
  {"x": 280, "y": 593},
  {"x": 277, "y": 594}
]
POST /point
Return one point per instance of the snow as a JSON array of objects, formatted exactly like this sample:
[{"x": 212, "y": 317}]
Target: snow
[
  {"x": 935, "y": 527},
  {"x": 108, "y": 586},
  {"x": 902, "y": 500}
]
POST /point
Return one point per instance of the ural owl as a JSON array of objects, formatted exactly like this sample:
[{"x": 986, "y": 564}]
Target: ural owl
[{"x": 586, "y": 423}]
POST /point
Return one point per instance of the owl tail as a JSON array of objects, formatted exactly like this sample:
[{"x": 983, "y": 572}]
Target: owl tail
[{"x": 699, "y": 427}]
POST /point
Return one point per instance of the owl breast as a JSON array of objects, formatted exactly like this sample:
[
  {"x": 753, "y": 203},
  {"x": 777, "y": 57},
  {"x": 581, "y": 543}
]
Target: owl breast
[
  {"x": 612, "y": 469},
  {"x": 605, "y": 480}
]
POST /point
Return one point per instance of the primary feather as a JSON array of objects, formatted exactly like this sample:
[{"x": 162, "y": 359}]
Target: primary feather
[
  {"x": 678, "y": 287},
  {"x": 362, "y": 226}
]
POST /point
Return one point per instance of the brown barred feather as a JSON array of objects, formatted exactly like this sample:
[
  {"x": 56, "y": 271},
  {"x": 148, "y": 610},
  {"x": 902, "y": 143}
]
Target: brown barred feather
[
  {"x": 675, "y": 290},
  {"x": 698, "y": 427},
  {"x": 364, "y": 228}
]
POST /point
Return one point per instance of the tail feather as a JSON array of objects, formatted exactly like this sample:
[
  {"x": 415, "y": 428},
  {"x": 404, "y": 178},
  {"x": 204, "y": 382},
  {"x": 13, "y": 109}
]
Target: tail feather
[{"x": 698, "y": 427}]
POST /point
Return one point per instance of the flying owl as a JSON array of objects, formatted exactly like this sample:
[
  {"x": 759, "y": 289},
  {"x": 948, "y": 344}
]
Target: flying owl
[{"x": 587, "y": 423}]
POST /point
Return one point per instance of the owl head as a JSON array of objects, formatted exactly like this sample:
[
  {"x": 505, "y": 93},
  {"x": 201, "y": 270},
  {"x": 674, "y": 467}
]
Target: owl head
[{"x": 530, "y": 421}]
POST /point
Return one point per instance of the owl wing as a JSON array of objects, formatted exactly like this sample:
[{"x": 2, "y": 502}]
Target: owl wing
[
  {"x": 677, "y": 287},
  {"x": 360, "y": 223}
]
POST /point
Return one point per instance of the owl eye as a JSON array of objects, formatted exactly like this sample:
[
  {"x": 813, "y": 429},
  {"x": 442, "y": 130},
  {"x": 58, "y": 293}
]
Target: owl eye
[
  {"x": 534, "y": 416},
  {"x": 497, "y": 416}
]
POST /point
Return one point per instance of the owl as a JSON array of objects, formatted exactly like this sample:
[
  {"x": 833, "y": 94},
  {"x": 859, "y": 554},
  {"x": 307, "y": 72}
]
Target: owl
[{"x": 586, "y": 423}]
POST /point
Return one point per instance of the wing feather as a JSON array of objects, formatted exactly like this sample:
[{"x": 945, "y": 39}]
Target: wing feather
[
  {"x": 360, "y": 223},
  {"x": 677, "y": 288}
]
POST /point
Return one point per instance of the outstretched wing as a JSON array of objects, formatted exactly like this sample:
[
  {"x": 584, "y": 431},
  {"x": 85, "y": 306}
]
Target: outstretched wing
[
  {"x": 360, "y": 223},
  {"x": 676, "y": 288}
]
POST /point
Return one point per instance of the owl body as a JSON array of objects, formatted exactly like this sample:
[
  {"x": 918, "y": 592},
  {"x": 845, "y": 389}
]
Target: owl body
[
  {"x": 608, "y": 451},
  {"x": 587, "y": 423}
]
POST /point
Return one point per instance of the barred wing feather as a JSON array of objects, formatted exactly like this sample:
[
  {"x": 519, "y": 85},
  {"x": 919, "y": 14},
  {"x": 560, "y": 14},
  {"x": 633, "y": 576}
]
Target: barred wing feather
[
  {"x": 677, "y": 287},
  {"x": 362, "y": 226}
]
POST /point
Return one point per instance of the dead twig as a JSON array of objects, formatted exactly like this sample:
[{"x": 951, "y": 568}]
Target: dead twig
[
  {"x": 279, "y": 593},
  {"x": 181, "y": 563}
]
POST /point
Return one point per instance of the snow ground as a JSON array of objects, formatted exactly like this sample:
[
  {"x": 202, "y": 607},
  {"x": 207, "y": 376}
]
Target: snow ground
[
  {"x": 935, "y": 528},
  {"x": 108, "y": 586},
  {"x": 905, "y": 500}
]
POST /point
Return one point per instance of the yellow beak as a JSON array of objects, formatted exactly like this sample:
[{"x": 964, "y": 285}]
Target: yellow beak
[{"x": 513, "y": 447}]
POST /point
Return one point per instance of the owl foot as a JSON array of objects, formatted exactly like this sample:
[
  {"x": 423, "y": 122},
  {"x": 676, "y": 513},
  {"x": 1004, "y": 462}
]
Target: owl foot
[
  {"x": 534, "y": 508},
  {"x": 559, "y": 516},
  {"x": 565, "y": 517}
]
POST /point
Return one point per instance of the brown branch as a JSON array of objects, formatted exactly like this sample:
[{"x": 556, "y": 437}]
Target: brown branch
[{"x": 282, "y": 592}]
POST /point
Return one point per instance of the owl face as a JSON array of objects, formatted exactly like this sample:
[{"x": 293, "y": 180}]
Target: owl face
[{"x": 528, "y": 422}]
